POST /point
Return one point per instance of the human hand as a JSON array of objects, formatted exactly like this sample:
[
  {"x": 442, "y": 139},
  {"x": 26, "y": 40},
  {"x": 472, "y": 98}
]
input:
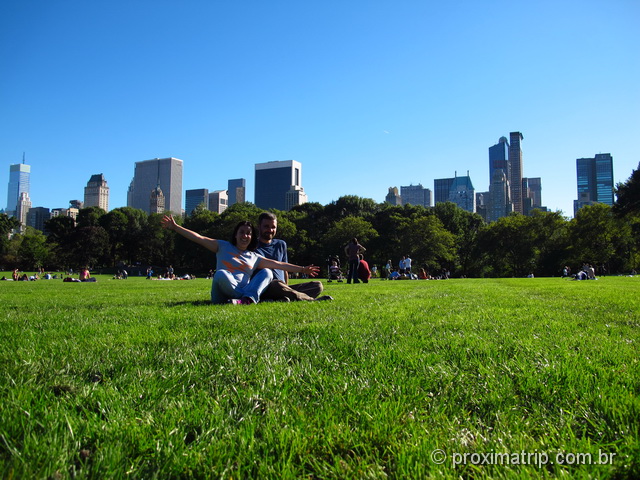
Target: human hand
[
  {"x": 168, "y": 222},
  {"x": 311, "y": 270}
]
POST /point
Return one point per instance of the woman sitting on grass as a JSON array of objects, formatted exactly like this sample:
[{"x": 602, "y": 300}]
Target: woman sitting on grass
[{"x": 241, "y": 274}]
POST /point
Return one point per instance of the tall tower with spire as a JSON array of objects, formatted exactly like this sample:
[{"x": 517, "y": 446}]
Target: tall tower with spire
[
  {"x": 157, "y": 200},
  {"x": 19, "y": 182}
]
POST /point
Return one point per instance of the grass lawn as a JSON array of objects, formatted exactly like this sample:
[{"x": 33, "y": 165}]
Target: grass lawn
[{"x": 474, "y": 378}]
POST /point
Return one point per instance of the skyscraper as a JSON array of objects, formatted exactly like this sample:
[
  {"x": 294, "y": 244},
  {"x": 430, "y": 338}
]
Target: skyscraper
[
  {"x": 274, "y": 180},
  {"x": 415, "y": 195},
  {"x": 393, "y": 197},
  {"x": 515, "y": 176},
  {"x": 165, "y": 173},
  {"x": 463, "y": 194},
  {"x": 193, "y": 198},
  {"x": 499, "y": 204},
  {"x": 499, "y": 158},
  {"x": 458, "y": 190},
  {"x": 37, "y": 216},
  {"x": 19, "y": 180},
  {"x": 218, "y": 201},
  {"x": 96, "y": 193},
  {"x": 157, "y": 200},
  {"x": 441, "y": 188},
  {"x": 236, "y": 190},
  {"x": 595, "y": 180},
  {"x": 295, "y": 196},
  {"x": 22, "y": 209}
]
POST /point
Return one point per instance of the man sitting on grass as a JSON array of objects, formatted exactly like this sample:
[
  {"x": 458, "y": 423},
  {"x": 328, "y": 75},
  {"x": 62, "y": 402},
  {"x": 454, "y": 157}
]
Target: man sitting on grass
[{"x": 276, "y": 249}]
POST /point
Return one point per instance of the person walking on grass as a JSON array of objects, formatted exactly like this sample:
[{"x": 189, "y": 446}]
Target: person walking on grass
[
  {"x": 352, "y": 249},
  {"x": 241, "y": 274}
]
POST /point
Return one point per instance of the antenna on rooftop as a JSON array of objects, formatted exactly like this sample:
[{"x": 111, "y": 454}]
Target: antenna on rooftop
[{"x": 23, "y": 157}]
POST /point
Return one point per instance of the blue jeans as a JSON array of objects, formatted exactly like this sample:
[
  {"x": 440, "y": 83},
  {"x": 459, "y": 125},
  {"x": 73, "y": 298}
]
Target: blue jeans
[
  {"x": 353, "y": 271},
  {"x": 225, "y": 286}
]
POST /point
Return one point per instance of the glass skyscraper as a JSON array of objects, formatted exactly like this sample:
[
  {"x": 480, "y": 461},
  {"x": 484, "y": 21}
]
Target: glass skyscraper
[
  {"x": 236, "y": 190},
  {"x": 195, "y": 197},
  {"x": 19, "y": 182},
  {"x": 515, "y": 175},
  {"x": 595, "y": 180},
  {"x": 274, "y": 180}
]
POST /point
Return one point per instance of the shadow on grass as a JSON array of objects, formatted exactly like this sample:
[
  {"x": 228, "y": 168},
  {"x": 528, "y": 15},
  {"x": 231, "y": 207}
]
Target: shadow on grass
[{"x": 195, "y": 303}]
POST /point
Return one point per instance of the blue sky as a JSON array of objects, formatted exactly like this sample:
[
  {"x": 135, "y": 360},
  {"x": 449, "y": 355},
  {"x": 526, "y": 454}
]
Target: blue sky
[{"x": 365, "y": 94}]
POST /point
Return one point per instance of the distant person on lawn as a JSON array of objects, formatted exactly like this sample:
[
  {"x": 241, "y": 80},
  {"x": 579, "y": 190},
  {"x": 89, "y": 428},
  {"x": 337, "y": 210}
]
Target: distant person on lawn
[
  {"x": 352, "y": 249},
  {"x": 364, "y": 272},
  {"x": 236, "y": 262},
  {"x": 276, "y": 249}
]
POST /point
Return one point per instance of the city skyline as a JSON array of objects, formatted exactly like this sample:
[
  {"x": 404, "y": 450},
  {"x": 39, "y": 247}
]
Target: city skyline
[{"x": 401, "y": 93}]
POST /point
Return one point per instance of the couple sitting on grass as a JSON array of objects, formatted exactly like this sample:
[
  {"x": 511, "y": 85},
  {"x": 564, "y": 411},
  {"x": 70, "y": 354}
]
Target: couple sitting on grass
[{"x": 250, "y": 269}]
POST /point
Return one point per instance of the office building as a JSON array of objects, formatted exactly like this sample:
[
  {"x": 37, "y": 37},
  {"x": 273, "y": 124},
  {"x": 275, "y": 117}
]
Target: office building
[
  {"x": 534, "y": 190},
  {"x": 441, "y": 189},
  {"x": 22, "y": 209},
  {"x": 458, "y": 190},
  {"x": 482, "y": 199},
  {"x": 218, "y": 201},
  {"x": 274, "y": 180},
  {"x": 193, "y": 198},
  {"x": 393, "y": 197},
  {"x": 37, "y": 217},
  {"x": 165, "y": 173},
  {"x": 415, "y": 195},
  {"x": 499, "y": 204},
  {"x": 236, "y": 189},
  {"x": 96, "y": 193},
  {"x": 595, "y": 180},
  {"x": 463, "y": 194},
  {"x": 499, "y": 158},
  {"x": 157, "y": 200},
  {"x": 295, "y": 196},
  {"x": 515, "y": 174},
  {"x": 70, "y": 212},
  {"x": 19, "y": 180}
]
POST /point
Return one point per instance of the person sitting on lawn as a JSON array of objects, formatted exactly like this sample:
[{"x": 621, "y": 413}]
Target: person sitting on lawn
[
  {"x": 241, "y": 274},
  {"x": 364, "y": 273},
  {"x": 276, "y": 249}
]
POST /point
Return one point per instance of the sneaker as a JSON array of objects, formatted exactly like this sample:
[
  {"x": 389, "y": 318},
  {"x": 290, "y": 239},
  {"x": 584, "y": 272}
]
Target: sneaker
[
  {"x": 323, "y": 298},
  {"x": 241, "y": 301}
]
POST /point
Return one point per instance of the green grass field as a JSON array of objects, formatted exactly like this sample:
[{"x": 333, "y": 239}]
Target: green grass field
[{"x": 475, "y": 378}]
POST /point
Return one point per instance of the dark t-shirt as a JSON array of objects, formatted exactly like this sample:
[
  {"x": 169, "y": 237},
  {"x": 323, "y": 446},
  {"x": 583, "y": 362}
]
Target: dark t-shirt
[{"x": 276, "y": 250}]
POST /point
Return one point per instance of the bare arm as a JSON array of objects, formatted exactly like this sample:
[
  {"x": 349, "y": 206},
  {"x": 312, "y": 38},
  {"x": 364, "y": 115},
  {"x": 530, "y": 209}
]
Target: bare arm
[
  {"x": 170, "y": 224},
  {"x": 310, "y": 270}
]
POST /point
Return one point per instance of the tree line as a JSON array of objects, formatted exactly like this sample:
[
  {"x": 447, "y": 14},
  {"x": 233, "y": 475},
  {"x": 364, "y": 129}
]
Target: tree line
[{"x": 443, "y": 237}]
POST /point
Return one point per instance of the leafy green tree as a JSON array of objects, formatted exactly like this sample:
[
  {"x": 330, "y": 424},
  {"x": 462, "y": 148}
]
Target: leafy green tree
[
  {"x": 429, "y": 242},
  {"x": 159, "y": 244},
  {"x": 190, "y": 255},
  {"x": 60, "y": 237},
  {"x": 89, "y": 217},
  {"x": 351, "y": 206},
  {"x": 343, "y": 231},
  {"x": 33, "y": 251},
  {"x": 599, "y": 238},
  {"x": 91, "y": 247},
  {"x": 628, "y": 195},
  {"x": 508, "y": 247},
  {"x": 126, "y": 228},
  {"x": 7, "y": 225},
  {"x": 465, "y": 226}
]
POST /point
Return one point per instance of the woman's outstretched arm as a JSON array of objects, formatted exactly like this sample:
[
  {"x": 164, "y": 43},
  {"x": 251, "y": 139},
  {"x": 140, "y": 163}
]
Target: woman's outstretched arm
[{"x": 170, "y": 224}]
